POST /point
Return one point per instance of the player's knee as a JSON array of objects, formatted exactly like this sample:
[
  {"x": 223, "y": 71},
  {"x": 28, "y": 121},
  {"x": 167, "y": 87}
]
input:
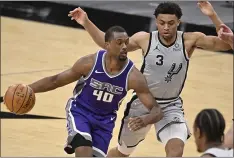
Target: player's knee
[
  {"x": 78, "y": 144},
  {"x": 83, "y": 147},
  {"x": 174, "y": 148},
  {"x": 124, "y": 150},
  {"x": 114, "y": 152},
  {"x": 79, "y": 140}
]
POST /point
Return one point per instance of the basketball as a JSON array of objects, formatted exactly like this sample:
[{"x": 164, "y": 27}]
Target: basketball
[{"x": 19, "y": 99}]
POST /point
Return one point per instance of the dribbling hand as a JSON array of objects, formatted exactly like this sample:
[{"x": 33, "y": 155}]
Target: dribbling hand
[
  {"x": 136, "y": 123},
  {"x": 79, "y": 15}
]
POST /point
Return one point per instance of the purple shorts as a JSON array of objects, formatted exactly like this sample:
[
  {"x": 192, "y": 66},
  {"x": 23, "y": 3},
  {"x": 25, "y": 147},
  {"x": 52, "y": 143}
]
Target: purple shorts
[{"x": 93, "y": 127}]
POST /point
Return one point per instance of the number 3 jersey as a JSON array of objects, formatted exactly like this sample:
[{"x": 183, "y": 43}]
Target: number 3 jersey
[
  {"x": 100, "y": 92},
  {"x": 165, "y": 67}
]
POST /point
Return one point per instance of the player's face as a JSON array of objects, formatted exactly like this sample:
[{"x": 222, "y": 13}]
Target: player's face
[
  {"x": 167, "y": 25},
  {"x": 118, "y": 46},
  {"x": 196, "y": 134}
]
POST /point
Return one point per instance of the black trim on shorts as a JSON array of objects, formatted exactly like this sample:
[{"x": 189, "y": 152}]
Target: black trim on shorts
[
  {"x": 173, "y": 122},
  {"x": 126, "y": 112},
  {"x": 209, "y": 155},
  {"x": 166, "y": 98},
  {"x": 132, "y": 146}
]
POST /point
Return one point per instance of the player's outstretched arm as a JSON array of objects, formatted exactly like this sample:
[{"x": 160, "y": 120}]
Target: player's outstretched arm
[
  {"x": 79, "y": 69},
  {"x": 208, "y": 10},
  {"x": 81, "y": 17},
  {"x": 98, "y": 36},
  {"x": 200, "y": 40},
  {"x": 138, "y": 83},
  {"x": 223, "y": 31}
]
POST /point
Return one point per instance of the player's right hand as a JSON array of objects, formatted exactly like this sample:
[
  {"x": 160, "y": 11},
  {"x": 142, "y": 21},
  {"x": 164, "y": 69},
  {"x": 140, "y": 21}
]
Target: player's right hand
[
  {"x": 226, "y": 34},
  {"x": 79, "y": 15}
]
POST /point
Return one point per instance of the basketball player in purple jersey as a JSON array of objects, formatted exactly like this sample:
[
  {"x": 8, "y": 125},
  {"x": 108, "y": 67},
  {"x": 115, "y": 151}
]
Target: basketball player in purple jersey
[{"x": 91, "y": 113}]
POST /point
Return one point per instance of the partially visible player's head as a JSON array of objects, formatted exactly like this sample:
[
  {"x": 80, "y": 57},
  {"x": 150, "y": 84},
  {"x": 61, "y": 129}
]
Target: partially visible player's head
[
  {"x": 208, "y": 129},
  {"x": 167, "y": 16},
  {"x": 116, "y": 41}
]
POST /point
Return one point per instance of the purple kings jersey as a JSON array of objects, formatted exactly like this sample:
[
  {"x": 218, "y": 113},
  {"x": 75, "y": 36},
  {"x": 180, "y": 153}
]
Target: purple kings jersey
[{"x": 100, "y": 92}]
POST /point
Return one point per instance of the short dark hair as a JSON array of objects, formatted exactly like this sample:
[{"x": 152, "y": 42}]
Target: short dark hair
[
  {"x": 211, "y": 123},
  {"x": 111, "y": 30},
  {"x": 168, "y": 8}
]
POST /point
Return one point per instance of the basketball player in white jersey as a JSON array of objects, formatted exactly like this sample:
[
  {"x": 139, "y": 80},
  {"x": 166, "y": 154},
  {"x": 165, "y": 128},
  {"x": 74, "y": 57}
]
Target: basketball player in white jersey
[
  {"x": 166, "y": 55},
  {"x": 208, "y": 128},
  {"x": 226, "y": 34}
]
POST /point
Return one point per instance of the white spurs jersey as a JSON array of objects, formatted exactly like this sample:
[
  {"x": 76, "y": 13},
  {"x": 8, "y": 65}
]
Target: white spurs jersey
[
  {"x": 218, "y": 152},
  {"x": 165, "y": 67}
]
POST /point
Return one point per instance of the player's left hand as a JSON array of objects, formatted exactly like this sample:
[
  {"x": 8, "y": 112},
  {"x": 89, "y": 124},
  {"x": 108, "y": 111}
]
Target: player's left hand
[
  {"x": 79, "y": 15},
  {"x": 226, "y": 34},
  {"x": 136, "y": 123},
  {"x": 206, "y": 8}
]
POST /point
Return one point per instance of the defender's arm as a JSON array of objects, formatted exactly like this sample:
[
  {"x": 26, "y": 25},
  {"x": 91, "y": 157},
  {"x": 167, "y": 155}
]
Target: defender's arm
[
  {"x": 80, "y": 68},
  {"x": 212, "y": 43},
  {"x": 223, "y": 31},
  {"x": 97, "y": 35},
  {"x": 208, "y": 10}
]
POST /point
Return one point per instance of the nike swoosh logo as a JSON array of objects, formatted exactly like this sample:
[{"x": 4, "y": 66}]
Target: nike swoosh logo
[
  {"x": 112, "y": 118},
  {"x": 98, "y": 72}
]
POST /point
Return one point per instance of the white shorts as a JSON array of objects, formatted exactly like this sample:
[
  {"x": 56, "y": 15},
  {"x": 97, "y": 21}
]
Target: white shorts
[{"x": 172, "y": 125}]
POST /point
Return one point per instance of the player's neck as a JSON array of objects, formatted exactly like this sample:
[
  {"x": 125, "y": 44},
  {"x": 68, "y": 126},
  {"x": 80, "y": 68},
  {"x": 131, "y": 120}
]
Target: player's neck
[
  {"x": 168, "y": 42},
  {"x": 212, "y": 145},
  {"x": 113, "y": 65}
]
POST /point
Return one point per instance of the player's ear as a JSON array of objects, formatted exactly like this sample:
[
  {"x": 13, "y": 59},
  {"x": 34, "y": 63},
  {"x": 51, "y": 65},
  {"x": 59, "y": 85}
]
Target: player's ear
[
  {"x": 178, "y": 22},
  {"x": 156, "y": 22},
  {"x": 199, "y": 133},
  {"x": 107, "y": 45}
]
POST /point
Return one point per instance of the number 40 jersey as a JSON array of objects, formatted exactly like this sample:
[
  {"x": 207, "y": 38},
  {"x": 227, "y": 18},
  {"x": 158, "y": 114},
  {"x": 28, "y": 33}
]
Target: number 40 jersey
[{"x": 100, "y": 92}]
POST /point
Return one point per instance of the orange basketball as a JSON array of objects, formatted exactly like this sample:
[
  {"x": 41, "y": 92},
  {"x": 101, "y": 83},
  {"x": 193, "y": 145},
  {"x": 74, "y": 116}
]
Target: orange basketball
[{"x": 19, "y": 99}]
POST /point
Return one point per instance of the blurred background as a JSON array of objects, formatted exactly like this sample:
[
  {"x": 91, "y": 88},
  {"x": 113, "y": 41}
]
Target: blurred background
[{"x": 134, "y": 16}]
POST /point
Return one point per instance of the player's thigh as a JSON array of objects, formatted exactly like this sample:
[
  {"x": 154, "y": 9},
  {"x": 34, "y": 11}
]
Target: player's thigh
[
  {"x": 101, "y": 140},
  {"x": 174, "y": 130},
  {"x": 77, "y": 120},
  {"x": 78, "y": 127},
  {"x": 128, "y": 140}
]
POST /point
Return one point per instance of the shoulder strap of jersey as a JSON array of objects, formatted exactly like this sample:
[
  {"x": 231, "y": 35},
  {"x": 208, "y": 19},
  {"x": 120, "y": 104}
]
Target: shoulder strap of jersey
[
  {"x": 127, "y": 72},
  {"x": 98, "y": 60}
]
